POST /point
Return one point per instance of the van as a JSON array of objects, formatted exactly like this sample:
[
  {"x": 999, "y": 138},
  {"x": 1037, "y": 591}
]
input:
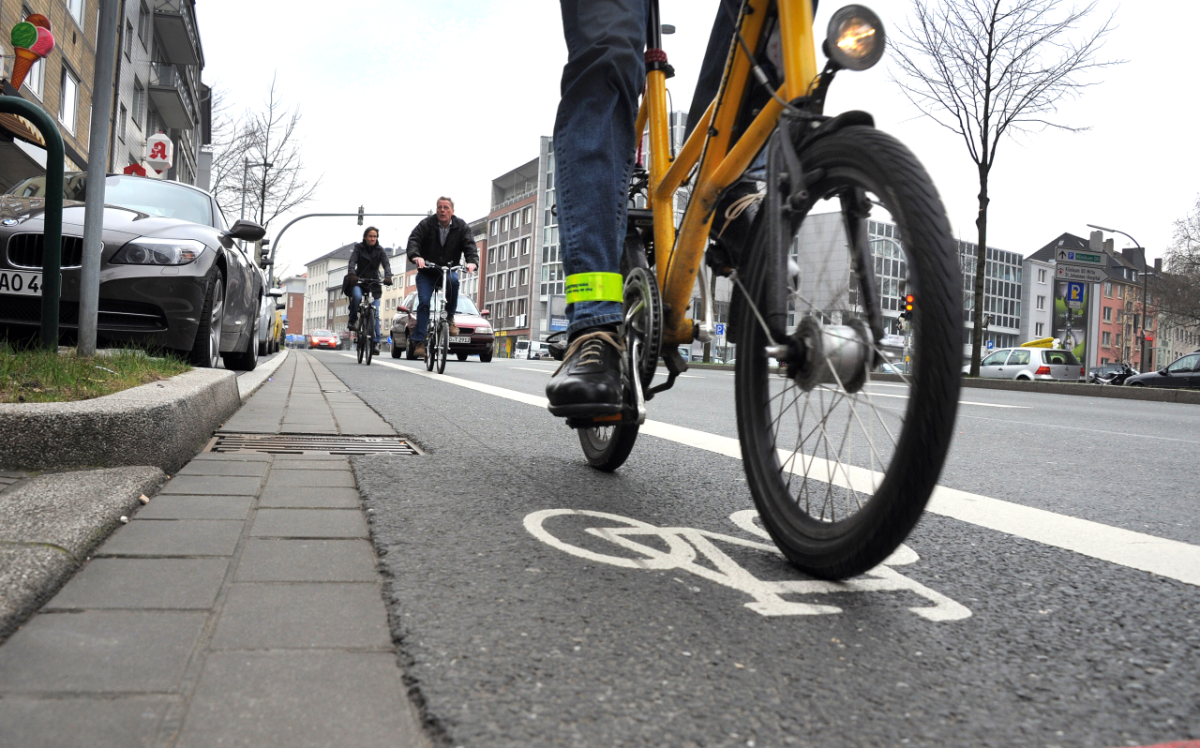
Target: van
[{"x": 531, "y": 349}]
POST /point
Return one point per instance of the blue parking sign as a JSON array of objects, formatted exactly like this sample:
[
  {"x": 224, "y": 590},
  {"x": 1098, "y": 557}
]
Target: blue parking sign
[
  {"x": 720, "y": 329},
  {"x": 991, "y": 344}
]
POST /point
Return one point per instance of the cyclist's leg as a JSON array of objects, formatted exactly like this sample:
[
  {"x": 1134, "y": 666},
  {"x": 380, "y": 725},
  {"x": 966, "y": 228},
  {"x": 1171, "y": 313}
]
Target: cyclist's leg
[
  {"x": 451, "y": 298},
  {"x": 376, "y": 294},
  {"x": 355, "y": 300},
  {"x": 593, "y": 149},
  {"x": 424, "y": 291}
]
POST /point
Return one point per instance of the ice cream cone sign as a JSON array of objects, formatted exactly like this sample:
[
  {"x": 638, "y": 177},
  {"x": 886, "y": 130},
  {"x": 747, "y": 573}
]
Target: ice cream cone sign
[
  {"x": 31, "y": 40},
  {"x": 160, "y": 152}
]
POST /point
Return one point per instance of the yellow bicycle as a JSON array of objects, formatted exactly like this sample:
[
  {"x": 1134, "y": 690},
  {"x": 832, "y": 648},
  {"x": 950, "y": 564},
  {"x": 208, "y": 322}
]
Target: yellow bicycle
[{"x": 785, "y": 200}]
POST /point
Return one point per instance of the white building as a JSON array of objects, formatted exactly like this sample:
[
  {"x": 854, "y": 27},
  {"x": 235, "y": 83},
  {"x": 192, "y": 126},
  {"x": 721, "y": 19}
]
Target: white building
[{"x": 316, "y": 291}]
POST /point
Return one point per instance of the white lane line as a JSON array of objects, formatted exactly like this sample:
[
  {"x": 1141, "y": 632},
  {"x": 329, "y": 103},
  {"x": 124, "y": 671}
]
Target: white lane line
[
  {"x": 1167, "y": 558},
  {"x": 539, "y": 371}
]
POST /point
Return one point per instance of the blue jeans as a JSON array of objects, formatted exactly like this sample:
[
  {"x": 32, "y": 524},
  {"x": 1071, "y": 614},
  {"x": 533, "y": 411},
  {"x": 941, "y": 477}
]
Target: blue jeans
[
  {"x": 356, "y": 295},
  {"x": 594, "y": 140},
  {"x": 426, "y": 283}
]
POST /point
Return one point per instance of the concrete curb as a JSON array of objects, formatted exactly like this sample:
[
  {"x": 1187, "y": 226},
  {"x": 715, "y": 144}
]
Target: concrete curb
[
  {"x": 249, "y": 383},
  {"x": 49, "y": 524},
  {"x": 162, "y": 424}
]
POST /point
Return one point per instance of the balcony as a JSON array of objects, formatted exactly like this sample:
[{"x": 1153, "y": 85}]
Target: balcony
[
  {"x": 175, "y": 26},
  {"x": 170, "y": 96}
]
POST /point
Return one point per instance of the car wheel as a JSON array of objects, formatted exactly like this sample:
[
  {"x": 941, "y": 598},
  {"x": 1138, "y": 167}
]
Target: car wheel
[
  {"x": 409, "y": 351},
  {"x": 206, "y": 350},
  {"x": 485, "y": 357},
  {"x": 248, "y": 359},
  {"x": 462, "y": 356},
  {"x": 396, "y": 351}
]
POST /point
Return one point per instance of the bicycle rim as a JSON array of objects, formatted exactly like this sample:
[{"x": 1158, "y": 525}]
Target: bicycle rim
[
  {"x": 369, "y": 335},
  {"x": 443, "y": 346},
  {"x": 607, "y": 447},
  {"x": 839, "y": 467}
]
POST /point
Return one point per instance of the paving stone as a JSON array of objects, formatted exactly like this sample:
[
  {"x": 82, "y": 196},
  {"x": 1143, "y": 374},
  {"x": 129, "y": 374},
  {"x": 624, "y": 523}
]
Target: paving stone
[
  {"x": 309, "y": 523},
  {"x": 82, "y": 722},
  {"x": 146, "y": 583},
  {"x": 256, "y": 469},
  {"x": 100, "y": 651},
  {"x": 231, "y": 457},
  {"x": 183, "y": 537},
  {"x": 269, "y": 560},
  {"x": 197, "y": 507},
  {"x": 311, "y": 478},
  {"x": 310, "y": 498},
  {"x": 310, "y": 462},
  {"x": 301, "y": 700},
  {"x": 298, "y": 616},
  {"x": 212, "y": 485}
]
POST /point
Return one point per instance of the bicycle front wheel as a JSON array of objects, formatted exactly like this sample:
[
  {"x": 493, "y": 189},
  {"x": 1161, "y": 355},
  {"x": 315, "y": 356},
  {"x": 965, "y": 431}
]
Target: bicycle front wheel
[
  {"x": 369, "y": 334},
  {"x": 443, "y": 345},
  {"x": 840, "y": 467},
  {"x": 607, "y": 447},
  {"x": 359, "y": 340}
]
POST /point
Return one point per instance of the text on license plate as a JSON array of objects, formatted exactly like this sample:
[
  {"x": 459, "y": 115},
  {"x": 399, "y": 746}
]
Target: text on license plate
[
  {"x": 25, "y": 284},
  {"x": 463, "y": 339}
]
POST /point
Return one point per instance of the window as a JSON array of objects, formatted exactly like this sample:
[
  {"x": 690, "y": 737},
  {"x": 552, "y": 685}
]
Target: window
[
  {"x": 491, "y": 283},
  {"x": 124, "y": 115},
  {"x": 1041, "y": 303},
  {"x": 128, "y": 40},
  {"x": 1039, "y": 329},
  {"x": 528, "y": 215},
  {"x": 1019, "y": 358},
  {"x": 1120, "y": 292},
  {"x": 144, "y": 25},
  {"x": 1108, "y": 289},
  {"x": 520, "y": 306},
  {"x": 1106, "y": 339},
  {"x": 504, "y": 224},
  {"x": 513, "y": 251},
  {"x": 492, "y": 227},
  {"x": 139, "y": 102},
  {"x": 516, "y": 220},
  {"x": 512, "y": 279},
  {"x": 524, "y": 276},
  {"x": 68, "y": 99},
  {"x": 1108, "y": 314},
  {"x": 492, "y": 256},
  {"x": 75, "y": 8},
  {"x": 508, "y": 309},
  {"x": 1042, "y": 276},
  {"x": 525, "y": 246},
  {"x": 500, "y": 282},
  {"x": 1149, "y": 323}
]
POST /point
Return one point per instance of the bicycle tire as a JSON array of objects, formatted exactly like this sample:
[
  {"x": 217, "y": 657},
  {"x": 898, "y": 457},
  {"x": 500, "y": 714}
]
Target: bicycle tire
[
  {"x": 358, "y": 339},
  {"x": 823, "y": 543},
  {"x": 443, "y": 345},
  {"x": 430, "y": 346},
  {"x": 607, "y": 447},
  {"x": 368, "y": 317}
]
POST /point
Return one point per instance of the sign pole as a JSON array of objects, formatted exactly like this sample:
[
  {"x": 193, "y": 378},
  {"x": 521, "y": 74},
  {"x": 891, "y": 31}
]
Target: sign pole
[{"x": 93, "y": 220}]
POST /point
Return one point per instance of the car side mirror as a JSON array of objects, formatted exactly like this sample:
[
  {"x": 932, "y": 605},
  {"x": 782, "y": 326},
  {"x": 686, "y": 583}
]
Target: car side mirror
[
  {"x": 247, "y": 231},
  {"x": 486, "y": 313},
  {"x": 281, "y": 306},
  {"x": 1163, "y": 371},
  {"x": 276, "y": 292},
  {"x": 402, "y": 308}
]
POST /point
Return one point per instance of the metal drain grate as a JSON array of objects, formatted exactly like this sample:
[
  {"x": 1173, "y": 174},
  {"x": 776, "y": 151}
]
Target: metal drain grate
[{"x": 300, "y": 444}]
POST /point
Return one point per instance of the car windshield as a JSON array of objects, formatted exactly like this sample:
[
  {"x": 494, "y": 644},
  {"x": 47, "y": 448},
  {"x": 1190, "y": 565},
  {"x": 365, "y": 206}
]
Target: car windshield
[
  {"x": 145, "y": 195},
  {"x": 466, "y": 306},
  {"x": 1059, "y": 358},
  {"x": 320, "y": 333}
]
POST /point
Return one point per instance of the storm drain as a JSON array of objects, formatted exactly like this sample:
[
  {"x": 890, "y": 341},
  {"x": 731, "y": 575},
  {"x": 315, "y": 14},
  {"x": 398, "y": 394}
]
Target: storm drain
[{"x": 307, "y": 444}]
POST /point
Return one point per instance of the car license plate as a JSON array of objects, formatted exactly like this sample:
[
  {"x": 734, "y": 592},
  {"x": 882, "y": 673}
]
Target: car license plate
[
  {"x": 23, "y": 284},
  {"x": 461, "y": 339}
]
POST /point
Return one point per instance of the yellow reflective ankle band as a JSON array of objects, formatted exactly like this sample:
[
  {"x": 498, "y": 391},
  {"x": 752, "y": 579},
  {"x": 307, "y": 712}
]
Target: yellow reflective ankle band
[{"x": 594, "y": 287}]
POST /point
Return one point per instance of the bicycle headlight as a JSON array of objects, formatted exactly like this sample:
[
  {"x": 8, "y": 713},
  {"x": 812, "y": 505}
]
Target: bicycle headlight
[
  {"x": 146, "y": 251},
  {"x": 855, "y": 38}
]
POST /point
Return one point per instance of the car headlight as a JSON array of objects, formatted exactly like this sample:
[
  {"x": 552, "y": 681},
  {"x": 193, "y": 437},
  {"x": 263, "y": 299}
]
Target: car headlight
[
  {"x": 483, "y": 328},
  {"x": 146, "y": 251}
]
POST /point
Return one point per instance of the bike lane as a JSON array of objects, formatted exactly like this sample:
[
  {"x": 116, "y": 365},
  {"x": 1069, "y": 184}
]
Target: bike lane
[{"x": 513, "y": 639}]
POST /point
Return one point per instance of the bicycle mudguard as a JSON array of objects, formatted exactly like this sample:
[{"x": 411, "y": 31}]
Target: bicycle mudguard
[{"x": 853, "y": 118}]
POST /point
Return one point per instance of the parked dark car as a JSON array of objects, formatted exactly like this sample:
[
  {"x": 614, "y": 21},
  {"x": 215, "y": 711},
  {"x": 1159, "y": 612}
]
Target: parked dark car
[
  {"x": 1184, "y": 372},
  {"x": 171, "y": 276},
  {"x": 475, "y": 336}
]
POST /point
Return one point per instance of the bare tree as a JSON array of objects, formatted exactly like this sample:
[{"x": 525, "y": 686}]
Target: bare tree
[
  {"x": 229, "y": 149},
  {"x": 276, "y": 176},
  {"x": 1179, "y": 288},
  {"x": 986, "y": 68}
]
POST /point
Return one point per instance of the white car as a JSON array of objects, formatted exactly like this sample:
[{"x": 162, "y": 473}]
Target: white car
[{"x": 1030, "y": 364}]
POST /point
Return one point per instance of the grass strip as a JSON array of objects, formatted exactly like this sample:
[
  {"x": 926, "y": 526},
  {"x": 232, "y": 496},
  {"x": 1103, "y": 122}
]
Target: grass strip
[{"x": 40, "y": 376}]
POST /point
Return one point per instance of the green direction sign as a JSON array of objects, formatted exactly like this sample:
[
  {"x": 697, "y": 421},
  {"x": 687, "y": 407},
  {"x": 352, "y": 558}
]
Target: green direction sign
[{"x": 1086, "y": 259}]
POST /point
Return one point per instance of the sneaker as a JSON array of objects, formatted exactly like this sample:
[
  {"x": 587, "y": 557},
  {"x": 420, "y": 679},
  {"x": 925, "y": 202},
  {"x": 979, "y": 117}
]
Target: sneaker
[
  {"x": 374, "y": 349},
  {"x": 453, "y": 328},
  {"x": 419, "y": 351},
  {"x": 588, "y": 383}
]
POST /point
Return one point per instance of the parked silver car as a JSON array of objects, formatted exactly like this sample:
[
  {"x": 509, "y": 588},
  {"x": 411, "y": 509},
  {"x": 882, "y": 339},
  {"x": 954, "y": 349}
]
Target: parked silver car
[{"x": 1029, "y": 364}]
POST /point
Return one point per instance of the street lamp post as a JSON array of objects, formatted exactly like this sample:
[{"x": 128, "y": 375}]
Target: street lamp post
[{"x": 1142, "y": 364}]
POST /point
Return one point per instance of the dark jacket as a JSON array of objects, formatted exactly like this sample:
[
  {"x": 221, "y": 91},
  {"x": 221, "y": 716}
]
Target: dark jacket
[
  {"x": 425, "y": 242},
  {"x": 364, "y": 263}
]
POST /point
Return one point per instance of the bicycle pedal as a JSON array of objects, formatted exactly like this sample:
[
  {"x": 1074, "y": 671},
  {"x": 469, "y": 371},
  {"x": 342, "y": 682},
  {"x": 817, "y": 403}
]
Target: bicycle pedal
[{"x": 627, "y": 416}]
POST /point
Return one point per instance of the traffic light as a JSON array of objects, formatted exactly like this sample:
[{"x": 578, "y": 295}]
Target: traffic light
[
  {"x": 360, "y": 215},
  {"x": 260, "y": 252},
  {"x": 908, "y": 307}
]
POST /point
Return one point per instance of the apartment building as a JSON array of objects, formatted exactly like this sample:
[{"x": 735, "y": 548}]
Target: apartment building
[
  {"x": 514, "y": 253},
  {"x": 293, "y": 310},
  {"x": 61, "y": 84},
  {"x": 159, "y": 88},
  {"x": 316, "y": 291}
]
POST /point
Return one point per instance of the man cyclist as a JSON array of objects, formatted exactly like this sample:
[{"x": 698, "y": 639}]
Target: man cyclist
[
  {"x": 365, "y": 259},
  {"x": 443, "y": 239},
  {"x": 594, "y": 146}
]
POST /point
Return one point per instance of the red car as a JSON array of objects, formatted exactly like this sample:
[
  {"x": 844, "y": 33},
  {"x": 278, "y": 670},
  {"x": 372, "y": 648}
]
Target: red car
[
  {"x": 474, "y": 337},
  {"x": 324, "y": 339}
]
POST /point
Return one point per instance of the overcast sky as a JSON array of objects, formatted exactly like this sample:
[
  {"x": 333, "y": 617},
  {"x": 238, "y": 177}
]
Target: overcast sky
[{"x": 403, "y": 101}]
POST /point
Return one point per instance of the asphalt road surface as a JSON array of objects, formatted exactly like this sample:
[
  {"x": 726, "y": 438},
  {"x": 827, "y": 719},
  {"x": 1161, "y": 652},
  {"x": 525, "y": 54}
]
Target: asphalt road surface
[{"x": 1050, "y": 597}]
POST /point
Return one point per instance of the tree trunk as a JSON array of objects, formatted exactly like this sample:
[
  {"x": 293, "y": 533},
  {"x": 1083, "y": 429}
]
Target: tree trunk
[{"x": 980, "y": 268}]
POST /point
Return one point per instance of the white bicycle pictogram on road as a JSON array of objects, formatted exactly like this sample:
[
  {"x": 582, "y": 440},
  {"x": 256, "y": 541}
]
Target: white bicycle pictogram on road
[{"x": 683, "y": 544}]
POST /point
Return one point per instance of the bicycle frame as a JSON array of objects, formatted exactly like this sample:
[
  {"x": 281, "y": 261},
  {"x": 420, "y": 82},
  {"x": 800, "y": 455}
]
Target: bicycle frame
[{"x": 721, "y": 162}]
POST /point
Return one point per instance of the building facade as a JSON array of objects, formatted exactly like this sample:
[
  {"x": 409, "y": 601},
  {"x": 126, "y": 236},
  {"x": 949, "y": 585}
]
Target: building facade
[
  {"x": 293, "y": 310},
  {"x": 60, "y": 83},
  {"x": 316, "y": 291},
  {"x": 159, "y": 63},
  {"x": 513, "y": 253}
]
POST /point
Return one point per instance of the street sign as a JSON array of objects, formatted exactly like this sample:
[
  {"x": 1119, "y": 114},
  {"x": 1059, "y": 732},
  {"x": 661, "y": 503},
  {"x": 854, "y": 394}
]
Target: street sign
[
  {"x": 1079, "y": 273},
  {"x": 720, "y": 329},
  {"x": 1075, "y": 295},
  {"x": 1086, "y": 259},
  {"x": 990, "y": 345}
]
